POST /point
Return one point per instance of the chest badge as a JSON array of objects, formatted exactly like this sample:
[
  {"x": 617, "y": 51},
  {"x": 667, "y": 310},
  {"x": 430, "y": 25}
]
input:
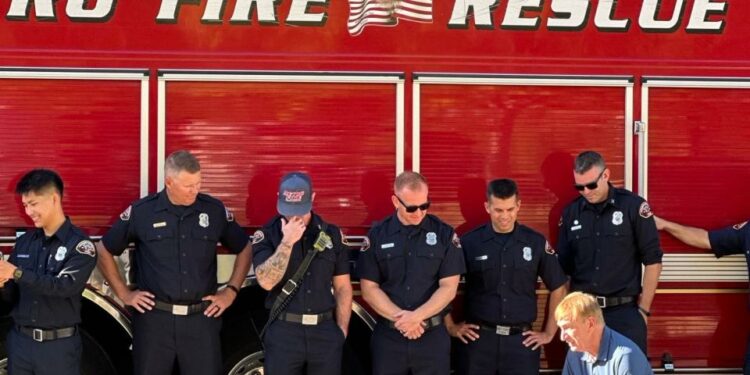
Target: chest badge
[
  {"x": 60, "y": 254},
  {"x": 431, "y": 238},
  {"x": 203, "y": 220},
  {"x": 527, "y": 254},
  {"x": 617, "y": 217}
]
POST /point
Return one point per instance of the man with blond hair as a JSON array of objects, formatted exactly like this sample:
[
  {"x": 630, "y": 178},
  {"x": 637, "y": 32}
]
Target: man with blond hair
[{"x": 595, "y": 349}]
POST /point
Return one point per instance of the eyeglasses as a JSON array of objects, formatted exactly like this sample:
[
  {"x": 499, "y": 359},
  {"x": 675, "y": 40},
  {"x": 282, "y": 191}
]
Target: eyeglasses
[
  {"x": 591, "y": 185},
  {"x": 412, "y": 209}
]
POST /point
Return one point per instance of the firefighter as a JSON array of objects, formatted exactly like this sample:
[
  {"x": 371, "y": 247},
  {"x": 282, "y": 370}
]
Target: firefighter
[
  {"x": 733, "y": 239},
  {"x": 409, "y": 276},
  {"x": 503, "y": 261},
  {"x": 308, "y": 324},
  {"x": 43, "y": 280},
  {"x": 177, "y": 304},
  {"x": 605, "y": 236}
]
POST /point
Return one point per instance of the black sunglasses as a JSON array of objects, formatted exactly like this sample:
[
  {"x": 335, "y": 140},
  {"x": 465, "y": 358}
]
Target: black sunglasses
[
  {"x": 411, "y": 209},
  {"x": 591, "y": 185}
]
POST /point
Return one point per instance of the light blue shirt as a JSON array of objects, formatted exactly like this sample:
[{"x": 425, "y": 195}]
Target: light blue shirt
[{"x": 617, "y": 356}]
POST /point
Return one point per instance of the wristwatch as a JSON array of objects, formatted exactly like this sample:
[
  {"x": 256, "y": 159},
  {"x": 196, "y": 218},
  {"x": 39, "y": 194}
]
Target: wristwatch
[{"x": 17, "y": 274}]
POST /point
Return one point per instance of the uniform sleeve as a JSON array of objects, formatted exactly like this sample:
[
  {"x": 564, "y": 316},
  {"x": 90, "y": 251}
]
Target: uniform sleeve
[
  {"x": 342, "y": 254},
  {"x": 646, "y": 235},
  {"x": 631, "y": 363},
  {"x": 9, "y": 291},
  {"x": 71, "y": 279},
  {"x": 367, "y": 263},
  {"x": 263, "y": 247},
  {"x": 550, "y": 270},
  {"x": 729, "y": 240},
  {"x": 564, "y": 256},
  {"x": 453, "y": 262},
  {"x": 117, "y": 238},
  {"x": 233, "y": 237}
]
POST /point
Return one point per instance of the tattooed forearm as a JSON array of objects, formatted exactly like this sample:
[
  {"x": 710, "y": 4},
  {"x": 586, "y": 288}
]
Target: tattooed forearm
[{"x": 272, "y": 270}]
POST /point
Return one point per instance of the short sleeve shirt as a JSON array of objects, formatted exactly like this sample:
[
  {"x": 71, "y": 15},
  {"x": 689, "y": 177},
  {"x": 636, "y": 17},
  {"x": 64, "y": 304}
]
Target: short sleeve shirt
[{"x": 617, "y": 356}]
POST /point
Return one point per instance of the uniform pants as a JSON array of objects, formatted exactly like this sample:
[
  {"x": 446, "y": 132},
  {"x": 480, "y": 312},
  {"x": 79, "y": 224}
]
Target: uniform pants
[
  {"x": 293, "y": 348},
  {"x": 160, "y": 337},
  {"x": 746, "y": 367},
  {"x": 55, "y": 357},
  {"x": 394, "y": 354},
  {"x": 628, "y": 321},
  {"x": 493, "y": 354}
]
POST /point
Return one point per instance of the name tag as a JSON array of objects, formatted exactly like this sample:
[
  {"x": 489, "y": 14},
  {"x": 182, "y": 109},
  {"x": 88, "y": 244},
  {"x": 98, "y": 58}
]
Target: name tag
[
  {"x": 576, "y": 227},
  {"x": 160, "y": 224},
  {"x": 23, "y": 255},
  {"x": 483, "y": 257},
  {"x": 386, "y": 245}
]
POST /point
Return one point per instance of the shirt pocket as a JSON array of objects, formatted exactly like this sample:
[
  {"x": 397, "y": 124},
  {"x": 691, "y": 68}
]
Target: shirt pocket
[
  {"x": 324, "y": 264},
  {"x": 205, "y": 242},
  {"x": 391, "y": 263},
  {"x": 430, "y": 259},
  {"x": 482, "y": 273},
  {"x": 524, "y": 272}
]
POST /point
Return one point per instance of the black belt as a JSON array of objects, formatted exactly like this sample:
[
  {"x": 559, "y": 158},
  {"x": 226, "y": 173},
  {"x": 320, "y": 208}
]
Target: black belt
[
  {"x": 605, "y": 302},
  {"x": 505, "y": 330},
  {"x": 181, "y": 309},
  {"x": 427, "y": 323},
  {"x": 41, "y": 335},
  {"x": 306, "y": 319}
]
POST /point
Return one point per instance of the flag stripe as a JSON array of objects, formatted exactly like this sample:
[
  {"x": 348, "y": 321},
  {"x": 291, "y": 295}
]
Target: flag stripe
[{"x": 386, "y": 12}]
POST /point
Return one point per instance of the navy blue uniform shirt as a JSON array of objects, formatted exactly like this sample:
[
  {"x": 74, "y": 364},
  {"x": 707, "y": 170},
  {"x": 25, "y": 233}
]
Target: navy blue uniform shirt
[
  {"x": 731, "y": 240},
  {"x": 314, "y": 295},
  {"x": 603, "y": 246},
  {"x": 409, "y": 261},
  {"x": 175, "y": 246},
  {"x": 501, "y": 278},
  {"x": 55, "y": 271}
]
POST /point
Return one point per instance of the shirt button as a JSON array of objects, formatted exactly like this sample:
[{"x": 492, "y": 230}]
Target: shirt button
[
  {"x": 185, "y": 290},
  {"x": 184, "y": 272},
  {"x": 505, "y": 316},
  {"x": 308, "y": 310},
  {"x": 503, "y": 282},
  {"x": 183, "y": 236},
  {"x": 36, "y": 302},
  {"x": 410, "y": 253},
  {"x": 408, "y": 287},
  {"x": 308, "y": 274},
  {"x": 205, "y": 237},
  {"x": 158, "y": 236},
  {"x": 505, "y": 266},
  {"x": 33, "y": 320},
  {"x": 505, "y": 300},
  {"x": 596, "y": 268},
  {"x": 598, "y": 250},
  {"x": 595, "y": 284},
  {"x": 184, "y": 254},
  {"x": 309, "y": 291},
  {"x": 597, "y": 233}
]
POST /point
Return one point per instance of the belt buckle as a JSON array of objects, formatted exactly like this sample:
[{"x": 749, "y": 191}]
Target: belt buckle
[
  {"x": 602, "y": 301},
  {"x": 289, "y": 282},
  {"x": 37, "y": 334},
  {"x": 179, "y": 309},
  {"x": 502, "y": 330},
  {"x": 309, "y": 320}
]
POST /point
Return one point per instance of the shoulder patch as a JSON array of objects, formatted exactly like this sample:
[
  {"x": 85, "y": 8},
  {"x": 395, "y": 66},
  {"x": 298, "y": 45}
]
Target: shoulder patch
[
  {"x": 559, "y": 222},
  {"x": 125, "y": 215},
  {"x": 258, "y": 236},
  {"x": 456, "y": 241},
  {"x": 548, "y": 248},
  {"x": 739, "y": 226},
  {"x": 230, "y": 215},
  {"x": 645, "y": 210},
  {"x": 86, "y": 247}
]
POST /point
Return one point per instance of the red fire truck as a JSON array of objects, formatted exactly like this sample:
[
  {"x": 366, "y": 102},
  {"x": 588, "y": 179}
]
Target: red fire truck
[{"x": 355, "y": 91}]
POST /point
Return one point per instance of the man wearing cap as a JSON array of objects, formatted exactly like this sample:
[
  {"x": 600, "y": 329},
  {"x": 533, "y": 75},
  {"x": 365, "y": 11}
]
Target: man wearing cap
[
  {"x": 606, "y": 236},
  {"x": 307, "y": 336},
  {"x": 43, "y": 281},
  {"x": 409, "y": 276},
  {"x": 177, "y": 302}
]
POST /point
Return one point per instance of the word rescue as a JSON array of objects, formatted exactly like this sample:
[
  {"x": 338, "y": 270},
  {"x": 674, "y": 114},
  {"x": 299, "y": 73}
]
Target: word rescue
[{"x": 703, "y": 16}]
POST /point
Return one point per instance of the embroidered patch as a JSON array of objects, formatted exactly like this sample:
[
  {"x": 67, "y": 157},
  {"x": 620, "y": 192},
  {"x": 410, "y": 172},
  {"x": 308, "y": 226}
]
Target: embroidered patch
[
  {"x": 258, "y": 236},
  {"x": 125, "y": 215},
  {"x": 456, "y": 241},
  {"x": 548, "y": 248},
  {"x": 293, "y": 196},
  {"x": 645, "y": 210},
  {"x": 230, "y": 215},
  {"x": 86, "y": 247},
  {"x": 559, "y": 222},
  {"x": 203, "y": 220},
  {"x": 431, "y": 238},
  {"x": 617, "y": 217},
  {"x": 60, "y": 254},
  {"x": 739, "y": 226},
  {"x": 527, "y": 254}
]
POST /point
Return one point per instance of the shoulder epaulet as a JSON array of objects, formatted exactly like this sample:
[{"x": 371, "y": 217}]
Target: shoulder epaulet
[
  {"x": 474, "y": 231},
  {"x": 209, "y": 199},
  {"x": 529, "y": 232},
  {"x": 145, "y": 199}
]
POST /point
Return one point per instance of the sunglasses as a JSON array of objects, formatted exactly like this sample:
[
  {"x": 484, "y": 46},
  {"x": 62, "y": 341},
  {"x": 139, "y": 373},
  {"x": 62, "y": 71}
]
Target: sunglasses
[
  {"x": 412, "y": 209},
  {"x": 591, "y": 185}
]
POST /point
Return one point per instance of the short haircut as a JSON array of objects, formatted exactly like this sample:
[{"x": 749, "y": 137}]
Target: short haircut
[
  {"x": 181, "y": 160},
  {"x": 502, "y": 188},
  {"x": 577, "y": 306},
  {"x": 587, "y": 160},
  {"x": 410, "y": 180},
  {"x": 38, "y": 181}
]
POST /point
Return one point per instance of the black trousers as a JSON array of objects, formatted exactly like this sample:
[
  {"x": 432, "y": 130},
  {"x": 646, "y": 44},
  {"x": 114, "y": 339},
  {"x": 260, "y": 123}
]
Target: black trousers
[
  {"x": 56, "y": 357},
  {"x": 394, "y": 354},
  {"x": 293, "y": 348},
  {"x": 160, "y": 338},
  {"x": 493, "y": 354},
  {"x": 628, "y": 321}
]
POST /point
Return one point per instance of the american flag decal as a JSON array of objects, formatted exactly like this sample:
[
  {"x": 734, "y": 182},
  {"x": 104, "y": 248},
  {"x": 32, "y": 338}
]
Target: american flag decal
[{"x": 386, "y": 13}]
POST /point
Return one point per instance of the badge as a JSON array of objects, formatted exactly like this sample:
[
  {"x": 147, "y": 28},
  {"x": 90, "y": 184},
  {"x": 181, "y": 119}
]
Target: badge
[
  {"x": 258, "y": 236},
  {"x": 60, "y": 254},
  {"x": 456, "y": 241},
  {"x": 739, "y": 226},
  {"x": 125, "y": 215},
  {"x": 645, "y": 210},
  {"x": 86, "y": 247},
  {"x": 203, "y": 220},
  {"x": 230, "y": 215},
  {"x": 548, "y": 248},
  {"x": 617, "y": 217},
  {"x": 160, "y": 224},
  {"x": 386, "y": 245},
  {"x": 481, "y": 257},
  {"x": 431, "y": 238},
  {"x": 527, "y": 254}
]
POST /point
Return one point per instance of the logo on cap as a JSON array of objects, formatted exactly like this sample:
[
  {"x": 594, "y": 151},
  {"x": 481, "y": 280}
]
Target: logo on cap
[{"x": 293, "y": 196}]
